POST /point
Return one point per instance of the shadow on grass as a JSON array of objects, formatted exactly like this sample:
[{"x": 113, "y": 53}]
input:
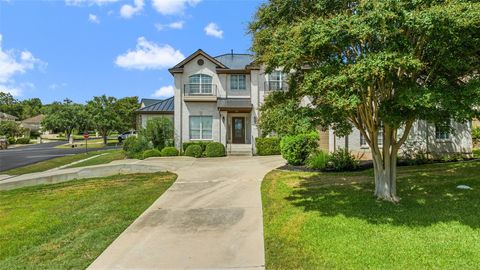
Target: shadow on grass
[{"x": 429, "y": 195}]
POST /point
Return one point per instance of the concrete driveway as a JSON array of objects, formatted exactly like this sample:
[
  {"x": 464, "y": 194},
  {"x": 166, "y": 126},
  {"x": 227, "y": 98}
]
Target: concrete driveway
[{"x": 210, "y": 218}]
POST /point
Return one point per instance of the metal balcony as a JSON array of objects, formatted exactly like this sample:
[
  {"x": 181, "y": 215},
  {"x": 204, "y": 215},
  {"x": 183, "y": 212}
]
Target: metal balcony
[
  {"x": 200, "y": 92},
  {"x": 276, "y": 86}
]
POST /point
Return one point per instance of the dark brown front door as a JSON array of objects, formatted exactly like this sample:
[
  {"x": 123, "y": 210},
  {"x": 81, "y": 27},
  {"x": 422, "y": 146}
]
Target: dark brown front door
[{"x": 238, "y": 130}]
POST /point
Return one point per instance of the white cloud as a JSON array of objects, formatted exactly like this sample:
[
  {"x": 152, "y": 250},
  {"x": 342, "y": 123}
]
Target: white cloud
[
  {"x": 54, "y": 86},
  {"x": 173, "y": 7},
  {"x": 173, "y": 25},
  {"x": 9, "y": 89},
  {"x": 127, "y": 11},
  {"x": 164, "y": 92},
  {"x": 149, "y": 55},
  {"x": 93, "y": 18},
  {"x": 88, "y": 2},
  {"x": 13, "y": 63},
  {"x": 213, "y": 30}
]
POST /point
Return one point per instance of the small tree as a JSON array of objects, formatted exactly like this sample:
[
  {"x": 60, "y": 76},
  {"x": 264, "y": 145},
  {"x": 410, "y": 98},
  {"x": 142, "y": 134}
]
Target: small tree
[
  {"x": 103, "y": 114},
  {"x": 64, "y": 116},
  {"x": 126, "y": 108},
  {"x": 374, "y": 64},
  {"x": 159, "y": 131},
  {"x": 11, "y": 129}
]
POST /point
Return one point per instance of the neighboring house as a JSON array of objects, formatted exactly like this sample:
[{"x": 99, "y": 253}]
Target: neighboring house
[
  {"x": 7, "y": 117},
  {"x": 33, "y": 123},
  {"x": 154, "y": 108},
  {"x": 218, "y": 99}
]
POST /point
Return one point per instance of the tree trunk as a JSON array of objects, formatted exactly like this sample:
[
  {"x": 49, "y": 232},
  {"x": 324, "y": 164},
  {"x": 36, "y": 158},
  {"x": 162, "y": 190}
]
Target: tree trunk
[{"x": 105, "y": 139}]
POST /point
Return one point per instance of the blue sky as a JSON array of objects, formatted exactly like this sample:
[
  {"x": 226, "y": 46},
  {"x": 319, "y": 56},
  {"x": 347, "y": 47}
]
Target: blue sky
[{"x": 78, "y": 49}]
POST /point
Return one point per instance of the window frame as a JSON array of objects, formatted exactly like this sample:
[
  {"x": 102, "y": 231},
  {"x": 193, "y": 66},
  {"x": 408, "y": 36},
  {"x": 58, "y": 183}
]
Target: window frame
[
  {"x": 443, "y": 131},
  {"x": 237, "y": 80},
  {"x": 203, "y": 87},
  {"x": 202, "y": 129}
]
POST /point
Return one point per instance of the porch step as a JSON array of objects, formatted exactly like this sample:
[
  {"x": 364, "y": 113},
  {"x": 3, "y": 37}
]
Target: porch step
[{"x": 239, "y": 150}]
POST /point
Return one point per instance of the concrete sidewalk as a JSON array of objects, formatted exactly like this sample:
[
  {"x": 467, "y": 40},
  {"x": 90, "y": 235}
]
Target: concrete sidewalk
[{"x": 210, "y": 218}]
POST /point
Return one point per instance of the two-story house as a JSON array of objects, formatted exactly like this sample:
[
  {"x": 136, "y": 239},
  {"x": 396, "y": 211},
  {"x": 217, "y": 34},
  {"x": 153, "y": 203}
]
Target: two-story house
[{"x": 218, "y": 99}]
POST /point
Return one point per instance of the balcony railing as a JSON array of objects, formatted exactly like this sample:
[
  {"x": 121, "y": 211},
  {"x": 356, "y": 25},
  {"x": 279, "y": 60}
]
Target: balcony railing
[
  {"x": 276, "y": 86},
  {"x": 200, "y": 90}
]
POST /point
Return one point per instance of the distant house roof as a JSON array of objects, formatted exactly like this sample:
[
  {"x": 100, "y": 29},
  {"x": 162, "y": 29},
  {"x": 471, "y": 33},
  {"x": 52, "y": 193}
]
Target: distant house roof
[
  {"x": 6, "y": 116},
  {"x": 148, "y": 101},
  {"x": 235, "y": 61},
  {"x": 34, "y": 120},
  {"x": 162, "y": 106}
]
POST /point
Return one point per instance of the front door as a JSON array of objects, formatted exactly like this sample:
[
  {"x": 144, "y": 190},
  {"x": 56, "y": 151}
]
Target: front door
[{"x": 238, "y": 130}]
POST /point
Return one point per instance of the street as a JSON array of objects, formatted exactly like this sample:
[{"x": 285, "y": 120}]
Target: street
[{"x": 24, "y": 155}]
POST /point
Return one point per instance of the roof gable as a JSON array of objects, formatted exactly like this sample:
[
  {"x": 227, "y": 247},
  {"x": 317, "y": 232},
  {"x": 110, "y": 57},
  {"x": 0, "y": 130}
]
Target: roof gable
[{"x": 180, "y": 65}]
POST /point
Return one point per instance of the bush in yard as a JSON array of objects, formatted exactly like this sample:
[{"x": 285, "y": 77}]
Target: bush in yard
[
  {"x": 169, "y": 152},
  {"x": 215, "y": 149},
  {"x": 202, "y": 144},
  {"x": 295, "y": 149},
  {"x": 159, "y": 131},
  {"x": 194, "y": 150},
  {"x": 268, "y": 146},
  {"x": 343, "y": 160},
  {"x": 152, "y": 153},
  {"x": 135, "y": 146},
  {"x": 23, "y": 140},
  {"x": 11, "y": 140},
  {"x": 318, "y": 160}
]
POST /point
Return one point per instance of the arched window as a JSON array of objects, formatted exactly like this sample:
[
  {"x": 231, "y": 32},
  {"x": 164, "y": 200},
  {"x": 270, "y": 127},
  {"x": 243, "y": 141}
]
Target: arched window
[{"x": 200, "y": 84}]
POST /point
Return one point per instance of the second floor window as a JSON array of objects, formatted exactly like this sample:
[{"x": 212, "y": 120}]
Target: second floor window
[
  {"x": 238, "y": 82},
  {"x": 276, "y": 80},
  {"x": 200, "y": 84}
]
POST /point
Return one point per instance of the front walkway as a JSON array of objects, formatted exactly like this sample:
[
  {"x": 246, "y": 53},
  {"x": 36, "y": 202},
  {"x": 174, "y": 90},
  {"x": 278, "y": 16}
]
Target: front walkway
[{"x": 210, "y": 218}]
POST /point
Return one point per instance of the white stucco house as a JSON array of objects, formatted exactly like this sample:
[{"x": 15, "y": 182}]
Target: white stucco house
[{"x": 218, "y": 99}]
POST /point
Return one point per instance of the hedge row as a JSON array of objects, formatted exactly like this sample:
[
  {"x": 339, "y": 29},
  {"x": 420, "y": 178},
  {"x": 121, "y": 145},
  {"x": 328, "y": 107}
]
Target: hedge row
[{"x": 207, "y": 149}]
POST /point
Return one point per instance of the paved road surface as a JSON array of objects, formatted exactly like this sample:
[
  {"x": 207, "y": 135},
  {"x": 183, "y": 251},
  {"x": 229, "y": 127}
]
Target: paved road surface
[{"x": 24, "y": 155}]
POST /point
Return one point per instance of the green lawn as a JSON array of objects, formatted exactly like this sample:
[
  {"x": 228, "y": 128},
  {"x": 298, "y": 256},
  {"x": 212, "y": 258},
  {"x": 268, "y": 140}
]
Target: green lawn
[
  {"x": 95, "y": 143},
  {"x": 60, "y": 161},
  {"x": 331, "y": 220},
  {"x": 103, "y": 159},
  {"x": 68, "y": 225}
]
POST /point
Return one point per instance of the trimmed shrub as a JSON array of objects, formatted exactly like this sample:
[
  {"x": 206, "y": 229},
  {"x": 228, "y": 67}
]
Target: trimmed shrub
[
  {"x": 318, "y": 160},
  {"x": 11, "y": 140},
  {"x": 215, "y": 149},
  {"x": 169, "y": 152},
  {"x": 343, "y": 160},
  {"x": 194, "y": 150},
  {"x": 135, "y": 146},
  {"x": 295, "y": 149},
  {"x": 203, "y": 144},
  {"x": 268, "y": 146},
  {"x": 23, "y": 140},
  {"x": 152, "y": 153}
]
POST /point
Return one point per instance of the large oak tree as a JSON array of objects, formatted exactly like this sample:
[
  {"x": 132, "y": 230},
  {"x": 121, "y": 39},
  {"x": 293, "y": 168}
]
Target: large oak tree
[{"x": 375, "y": 63}]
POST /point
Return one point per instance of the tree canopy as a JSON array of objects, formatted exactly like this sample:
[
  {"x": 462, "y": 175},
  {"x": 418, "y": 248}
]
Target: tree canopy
[{"x": 374, "y": 64}]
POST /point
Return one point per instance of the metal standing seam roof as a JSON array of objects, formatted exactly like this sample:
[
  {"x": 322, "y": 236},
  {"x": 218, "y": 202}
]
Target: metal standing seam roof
[
  {"x": 235, "y": 61},
  {"x": 163, "y": 106},
  {"x": 149, "y": 101},
  {"x": 234, "y": 103}
]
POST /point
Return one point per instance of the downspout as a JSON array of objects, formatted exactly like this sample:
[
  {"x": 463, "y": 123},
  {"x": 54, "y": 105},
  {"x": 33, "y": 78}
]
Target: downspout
[{"x": 181, "y": 122}]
